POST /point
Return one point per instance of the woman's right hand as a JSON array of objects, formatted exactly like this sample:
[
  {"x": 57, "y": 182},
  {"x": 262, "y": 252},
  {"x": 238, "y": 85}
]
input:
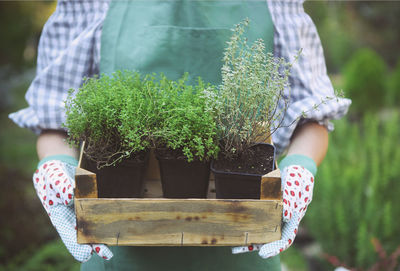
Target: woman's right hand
[{"x": 54, "y": 184}]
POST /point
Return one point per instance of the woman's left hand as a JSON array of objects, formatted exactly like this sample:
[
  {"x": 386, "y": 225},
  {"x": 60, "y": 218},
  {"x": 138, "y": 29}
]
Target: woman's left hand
[{"x": 298, "y": 185}]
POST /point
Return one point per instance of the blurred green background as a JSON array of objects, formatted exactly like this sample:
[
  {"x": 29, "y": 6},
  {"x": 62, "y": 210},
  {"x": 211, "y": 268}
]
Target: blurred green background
[{"x": 354, "y": 219}]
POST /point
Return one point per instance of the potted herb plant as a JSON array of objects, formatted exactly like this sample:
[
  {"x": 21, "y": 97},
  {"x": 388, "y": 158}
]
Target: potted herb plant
[
  {"x": 110, "y": 115},
  {"x": 185, "y": 138},
  {"x": 249, "y": 104}
]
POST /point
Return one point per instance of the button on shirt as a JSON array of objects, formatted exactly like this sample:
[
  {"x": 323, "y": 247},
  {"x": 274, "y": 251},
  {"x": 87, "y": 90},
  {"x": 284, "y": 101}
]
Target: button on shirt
[{"x": 69, "y": 51}]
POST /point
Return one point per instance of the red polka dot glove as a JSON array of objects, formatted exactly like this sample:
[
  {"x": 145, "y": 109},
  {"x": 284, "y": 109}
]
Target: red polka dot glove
[
  {"x": 54, "y": 183},
  {"x": 297, "y": 187}
]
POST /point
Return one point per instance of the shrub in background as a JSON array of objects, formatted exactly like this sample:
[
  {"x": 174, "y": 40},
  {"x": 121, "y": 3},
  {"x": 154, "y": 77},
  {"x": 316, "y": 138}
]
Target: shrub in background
[
  {"x": 386, "y": 262},
  {"x": 49, "y": 257},
  {"x": 331, "y": 18},
  {"x": 357, "y": 196},
  {"x": 365, "y": 78},
  {"x": 393, "y": 97}
]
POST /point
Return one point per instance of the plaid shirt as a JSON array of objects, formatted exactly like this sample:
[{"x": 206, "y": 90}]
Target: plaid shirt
[{"x": 69, "y": 50}]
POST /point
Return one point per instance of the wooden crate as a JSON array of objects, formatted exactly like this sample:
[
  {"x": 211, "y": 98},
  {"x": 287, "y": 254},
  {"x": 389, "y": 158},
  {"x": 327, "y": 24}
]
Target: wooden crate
[{"x": 155, "y": 221}]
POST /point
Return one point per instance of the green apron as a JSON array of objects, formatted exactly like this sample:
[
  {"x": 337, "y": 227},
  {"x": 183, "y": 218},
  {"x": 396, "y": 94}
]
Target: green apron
[
  {"x": 174, "y": 37},
  {"x": 178, "y": 36}
]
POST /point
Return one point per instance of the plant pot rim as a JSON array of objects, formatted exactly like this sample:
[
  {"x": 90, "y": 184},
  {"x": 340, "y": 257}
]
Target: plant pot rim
[
  {"x": 181, "y": 158},
  {"x": 233, "y": 173},
  {"x": 126, "y": 160}
]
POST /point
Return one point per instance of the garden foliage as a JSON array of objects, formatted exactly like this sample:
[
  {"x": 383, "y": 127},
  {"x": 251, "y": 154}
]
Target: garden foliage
[
  {"x": 49, "y": 257},
  {"x": 393, "y": 97},
  {"x": 357, "y": 196},
  {"x": 365, "y": 78}
]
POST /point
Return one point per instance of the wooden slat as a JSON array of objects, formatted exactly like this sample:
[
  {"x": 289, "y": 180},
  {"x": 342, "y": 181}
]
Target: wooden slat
[
  {"x": 152, "y": 180},
  {"x": 176, "y": 222},
  {"x": 153, "y": 170},
  {"x": 85, "y": 184},
  {"x": 153, "y": 189},
  {"x": 271, "y": 186},
  {"x": 81, "y": 154}
]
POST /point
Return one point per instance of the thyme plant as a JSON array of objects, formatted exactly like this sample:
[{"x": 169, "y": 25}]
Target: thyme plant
[
  {"x": 186, "y": 121},
  {"x": 121, "y": 115},
  {"x": 251, "y": 94},
  {"x": 110, "y": 114}
]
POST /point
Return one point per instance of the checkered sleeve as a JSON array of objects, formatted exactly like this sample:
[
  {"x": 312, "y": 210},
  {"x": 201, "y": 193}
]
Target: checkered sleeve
[
  {"x": 69, "y": 50},
  {"x": 309, "y": 82}
]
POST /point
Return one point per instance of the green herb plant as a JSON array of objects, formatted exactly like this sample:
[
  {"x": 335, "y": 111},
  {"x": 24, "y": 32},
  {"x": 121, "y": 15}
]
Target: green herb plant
[
  {"x": 251, "y": 97},
  {"x": 186, "y": 121},
  {"x": 110, "y": 114}
]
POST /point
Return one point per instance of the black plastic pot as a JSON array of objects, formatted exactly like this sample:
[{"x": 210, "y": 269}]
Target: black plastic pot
[
  {"x": 124, "y": 180},
  {"x": 183, "y": 179},
  {"x": 238, "y": 185}
]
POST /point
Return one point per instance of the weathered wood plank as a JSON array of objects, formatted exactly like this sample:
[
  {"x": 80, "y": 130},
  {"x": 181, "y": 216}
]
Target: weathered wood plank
[
  {"x": 153, "y": 170},
  {"x": 271, "y": 186},
  {"x": 153, "y": 189},
  {"x": 85, "y": 184},
  {"x": 186, "y": 222}
]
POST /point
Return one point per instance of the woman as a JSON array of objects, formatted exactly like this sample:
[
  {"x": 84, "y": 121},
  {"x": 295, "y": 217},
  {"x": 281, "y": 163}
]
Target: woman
[{"x": 82, "y": 39}]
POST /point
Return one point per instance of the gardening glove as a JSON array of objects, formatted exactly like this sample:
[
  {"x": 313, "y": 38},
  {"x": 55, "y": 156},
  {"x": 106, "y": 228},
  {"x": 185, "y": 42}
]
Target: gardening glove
[
  {"x": 297, "y": 188},
  {"x": 54, "y": 183}
]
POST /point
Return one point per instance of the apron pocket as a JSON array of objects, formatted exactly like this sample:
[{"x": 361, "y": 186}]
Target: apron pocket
[{"x": 175, "y": 50}]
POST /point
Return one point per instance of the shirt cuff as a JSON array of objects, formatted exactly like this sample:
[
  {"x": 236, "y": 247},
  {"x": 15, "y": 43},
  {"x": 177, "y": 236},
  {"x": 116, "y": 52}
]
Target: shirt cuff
[
  {"x": 61, "y": 157},
  {"x": 300, "y": 160}
]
